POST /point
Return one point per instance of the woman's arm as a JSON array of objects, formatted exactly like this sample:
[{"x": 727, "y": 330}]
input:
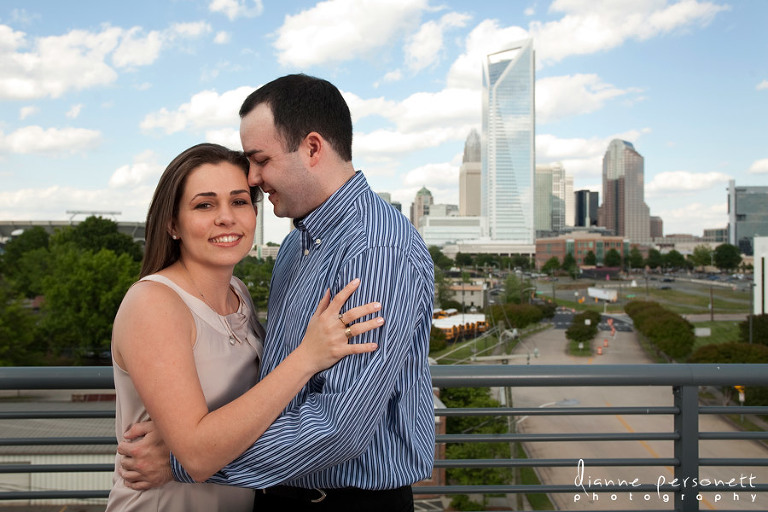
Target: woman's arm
[{"x": 153, "y": 336}]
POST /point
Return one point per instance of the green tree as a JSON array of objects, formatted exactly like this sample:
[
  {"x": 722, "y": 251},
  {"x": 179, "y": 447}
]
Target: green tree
[
  {"x": 727, "y": 257},
  {"x": 464, "y": 260},
  {"x": 635, "y": 258},
  {"x": 569, "y": 265},
  {"x": 522, "y": 261},
  {"x": 256, "y": 274},
  {"x": 551, "y": 265},
  {"x": 442, "y": 288},
  {"x": 612, "y": 258},
  {"x": 25, "y": 261},
  {"x": 439, "y": 259},
  {"x": 590, "y": 259},
  {"x": 673, "y": 259},
  {"x": 513, "y": 287},
  {"x": 17, "y": 330},
  {"x": 759, "y": 329},
  {"x": 655, "y": 259},
  {"x": 96, "y": 233},
  {"x": 83, "y": 291},
  {"x": 15, "y": 249},
  {"x": 475, "y": 398},
  {"x": 702, "y": 256}
]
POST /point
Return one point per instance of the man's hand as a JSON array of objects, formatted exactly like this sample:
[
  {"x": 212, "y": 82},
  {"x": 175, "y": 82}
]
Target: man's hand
[{"x": 145, "y": 460}]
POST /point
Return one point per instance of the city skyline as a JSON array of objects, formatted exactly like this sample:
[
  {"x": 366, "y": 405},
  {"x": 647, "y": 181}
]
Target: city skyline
[{"x": 97, "y": 100}]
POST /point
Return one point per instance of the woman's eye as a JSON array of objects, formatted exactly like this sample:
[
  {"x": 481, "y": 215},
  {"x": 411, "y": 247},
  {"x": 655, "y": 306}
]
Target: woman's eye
[{"x": 202, "y": 206}]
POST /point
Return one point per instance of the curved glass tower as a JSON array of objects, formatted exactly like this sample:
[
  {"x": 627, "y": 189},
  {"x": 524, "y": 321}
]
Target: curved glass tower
[{"x": 508, "y": 143}]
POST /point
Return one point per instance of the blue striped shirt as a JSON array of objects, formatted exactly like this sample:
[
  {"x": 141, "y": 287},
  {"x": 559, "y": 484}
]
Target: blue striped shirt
[{"x": 368, "y": 421}]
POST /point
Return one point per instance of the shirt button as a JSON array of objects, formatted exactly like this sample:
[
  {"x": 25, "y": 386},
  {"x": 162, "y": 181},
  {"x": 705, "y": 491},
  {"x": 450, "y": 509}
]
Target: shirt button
[
  {"x": 318, "y": 241},
  {"x": 306, "y": 252}
]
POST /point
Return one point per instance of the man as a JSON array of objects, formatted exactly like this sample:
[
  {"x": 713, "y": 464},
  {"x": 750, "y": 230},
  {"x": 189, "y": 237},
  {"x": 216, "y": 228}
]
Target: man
[{"x": 359, "y": 434}]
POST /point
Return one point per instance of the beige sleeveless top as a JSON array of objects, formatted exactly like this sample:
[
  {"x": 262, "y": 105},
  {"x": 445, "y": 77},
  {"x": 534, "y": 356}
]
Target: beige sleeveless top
[{"x": 227, "y": 369}]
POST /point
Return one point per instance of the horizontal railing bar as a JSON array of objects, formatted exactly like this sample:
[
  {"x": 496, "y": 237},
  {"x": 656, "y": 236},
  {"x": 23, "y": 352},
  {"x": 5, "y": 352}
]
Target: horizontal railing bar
[
  {"x": 735, "y": 409},
  {"x": 599, "y": 375},
  {"x": 733, "y": 462},
  {"x": 53, "y": 495},
  {"x": 52, "y": 441},
  {"x": 733, "y": 435},
  {"x": 100, "y": 377},
  {"x": 55, "y": 468},
  {"x": 45, "y": 415},
  {"x": 554, "y": 411},
  {"x": 526, "y": 438},
  {"x": 552, "y": 463}
]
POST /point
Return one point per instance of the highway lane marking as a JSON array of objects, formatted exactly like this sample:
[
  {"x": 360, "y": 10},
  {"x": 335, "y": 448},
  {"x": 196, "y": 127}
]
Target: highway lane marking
[{"x": 653, "y": 453}]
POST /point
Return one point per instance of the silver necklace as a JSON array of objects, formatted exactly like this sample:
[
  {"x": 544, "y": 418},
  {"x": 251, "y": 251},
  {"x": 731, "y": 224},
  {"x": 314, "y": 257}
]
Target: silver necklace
[{"x": 232, "y": 336}]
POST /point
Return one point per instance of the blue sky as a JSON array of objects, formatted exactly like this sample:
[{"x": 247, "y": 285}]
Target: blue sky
[{"x": 97, "y": 97}]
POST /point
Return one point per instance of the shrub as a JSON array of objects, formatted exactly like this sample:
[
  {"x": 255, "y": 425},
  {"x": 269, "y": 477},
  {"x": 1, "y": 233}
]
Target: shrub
[{"x": 759, "y": 329}]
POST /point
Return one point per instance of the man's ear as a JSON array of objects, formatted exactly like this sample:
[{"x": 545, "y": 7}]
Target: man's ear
[{"x": 313, "y": 147}]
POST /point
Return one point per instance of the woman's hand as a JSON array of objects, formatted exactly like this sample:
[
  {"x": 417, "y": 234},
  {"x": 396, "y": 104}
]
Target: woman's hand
[{"x": 328, "y": 333}]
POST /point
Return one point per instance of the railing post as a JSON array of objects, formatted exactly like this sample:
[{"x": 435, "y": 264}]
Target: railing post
[{"x": 687, "y": 446}]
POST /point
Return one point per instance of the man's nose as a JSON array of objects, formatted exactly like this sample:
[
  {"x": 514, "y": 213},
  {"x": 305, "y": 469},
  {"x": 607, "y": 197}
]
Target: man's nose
[{"x": 254, "y": 176}]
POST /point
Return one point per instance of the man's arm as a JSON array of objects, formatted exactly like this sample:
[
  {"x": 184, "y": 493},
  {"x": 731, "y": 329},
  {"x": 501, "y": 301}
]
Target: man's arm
[{"x": 338, "y": 423}]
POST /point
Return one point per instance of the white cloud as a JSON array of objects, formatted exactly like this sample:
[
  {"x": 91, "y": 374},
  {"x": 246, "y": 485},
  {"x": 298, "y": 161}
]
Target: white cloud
[
  {"x": 55, "y": 64},
  {"x": 34, "y": 139},
  {"x": 592, "y": 26},
  {"x": 222, "y": 37},
  {"x": 581, "y": 158},
  {"x": 341, "y": 30},
  {"x": 759, "y": 167},
  {"x": 392, "y": 76},
  {"x": 486, "y": 38},
  {"x": 423, "y": 48},
  {"x": 234, "y": 9},
  {"x": 25, "y": 112},
  {"x": 50, "y": 203},
  {"x": 683, "y": 182},
  {"x": 136, "y": 49},
  {"x": 762, "y": 85},
  {"x": 143, "y": 168},
  {"x": 74, "y": 112},
  {"x": 77, "y": 60},
  {"x": 205, "y": 109},
  {"x": 567, "y": 96},
  {"x": 692, "y": 217},
  {"x": 189, "y": 30}
]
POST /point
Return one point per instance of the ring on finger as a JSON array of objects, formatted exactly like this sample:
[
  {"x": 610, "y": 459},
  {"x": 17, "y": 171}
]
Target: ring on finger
[
  {"x": 341, "y": 319},
  {"x": 348, "y": 332}
]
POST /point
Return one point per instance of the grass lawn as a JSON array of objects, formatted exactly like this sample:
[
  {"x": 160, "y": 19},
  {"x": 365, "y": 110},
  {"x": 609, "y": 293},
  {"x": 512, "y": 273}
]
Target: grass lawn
[{"x": 722, "y": 332}]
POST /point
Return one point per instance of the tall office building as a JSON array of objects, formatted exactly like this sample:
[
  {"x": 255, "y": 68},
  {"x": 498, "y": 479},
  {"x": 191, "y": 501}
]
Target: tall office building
[
  {"x": 747, "y": 215},
  {"x": 508, "y": 143},
  {"x": 624, "y": 210},
  {"x": 550, "y": 198},
  {"x": 586, "y": 208},
  {"x": 570, "y": 203},
  {"x": 420, "y": 206},
  {"x": 470, "y": 174}
]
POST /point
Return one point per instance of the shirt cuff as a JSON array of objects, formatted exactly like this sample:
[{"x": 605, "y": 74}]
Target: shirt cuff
[{"x": 179, "y": 474}]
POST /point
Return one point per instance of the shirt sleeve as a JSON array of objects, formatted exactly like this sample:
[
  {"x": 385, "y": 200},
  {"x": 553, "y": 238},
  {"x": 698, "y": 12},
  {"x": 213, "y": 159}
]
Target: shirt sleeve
[{"x": 347, "y": 404}]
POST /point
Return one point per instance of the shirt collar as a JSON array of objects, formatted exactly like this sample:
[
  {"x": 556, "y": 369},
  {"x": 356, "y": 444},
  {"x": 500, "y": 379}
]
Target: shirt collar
[{"x": 317, "y": 222}]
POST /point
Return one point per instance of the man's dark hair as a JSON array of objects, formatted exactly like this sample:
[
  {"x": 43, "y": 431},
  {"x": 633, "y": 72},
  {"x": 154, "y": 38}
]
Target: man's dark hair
[{"x": 302, "y": 104}]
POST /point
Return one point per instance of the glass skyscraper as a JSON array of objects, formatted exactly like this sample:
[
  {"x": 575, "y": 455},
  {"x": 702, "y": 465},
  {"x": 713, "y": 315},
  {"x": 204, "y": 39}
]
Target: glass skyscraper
[
  {"x": 624, "y": 210},
  {"x": 747, "y": 215},
  {"x": 508, "y": 144}
]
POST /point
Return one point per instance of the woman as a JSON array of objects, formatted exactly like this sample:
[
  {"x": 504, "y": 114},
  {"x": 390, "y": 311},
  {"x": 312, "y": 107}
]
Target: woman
[{"x": 185, "y": 339}]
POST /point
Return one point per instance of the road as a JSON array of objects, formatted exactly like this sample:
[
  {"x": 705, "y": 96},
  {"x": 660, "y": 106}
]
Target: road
[{"x": 623, "y": 349}]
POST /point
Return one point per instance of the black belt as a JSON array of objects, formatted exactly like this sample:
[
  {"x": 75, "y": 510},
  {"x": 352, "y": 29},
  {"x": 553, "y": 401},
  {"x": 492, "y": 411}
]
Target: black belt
[{"x": 318, "y": 495}]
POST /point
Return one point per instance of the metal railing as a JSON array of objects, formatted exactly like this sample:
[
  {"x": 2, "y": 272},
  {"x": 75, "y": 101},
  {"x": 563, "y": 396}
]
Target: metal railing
[{"x": 685, "y": 412}]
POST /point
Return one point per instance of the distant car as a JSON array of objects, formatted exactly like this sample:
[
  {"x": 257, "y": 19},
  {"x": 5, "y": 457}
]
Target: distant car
[
  {"x": 665, "y": 287},
  {"x": 668, "y": 279}
]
